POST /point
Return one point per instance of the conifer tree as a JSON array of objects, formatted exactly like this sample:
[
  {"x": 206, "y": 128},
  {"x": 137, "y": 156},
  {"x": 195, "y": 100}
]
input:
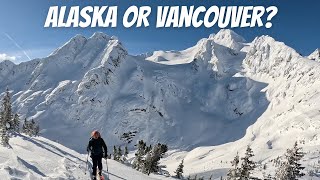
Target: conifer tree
[
  {"x": 179, "y": 170},
  {"x": 24, "y": 126},
  {"x": 119, "y": 151},
  {"x": 247, "y": 165},
  {"x": 16, "y": 123},
  {"x": 119, "y": 154},
  {"x": 7, "y": 110},
  {"x": 126, "y": 151},
  {"x": 151, "y": 163},
  {"x": 148, "y": 165},
  {"x": 5, "y": 118},
  {"x": 4, "y": 137},
  {"x": 3, "y": 130},
  {"x": 234, "y": 174},
  {"x": 139, "y": 156},
  {"x": 115, "y": 153},
  {"x": 291, "y": 169},
  {"x": 36, "y": 129},
  {"x": 31, "y": 128}
]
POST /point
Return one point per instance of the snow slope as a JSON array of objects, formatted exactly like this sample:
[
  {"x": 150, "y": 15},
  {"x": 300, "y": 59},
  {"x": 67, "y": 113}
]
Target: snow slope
[{"x": 39, "y": 158}]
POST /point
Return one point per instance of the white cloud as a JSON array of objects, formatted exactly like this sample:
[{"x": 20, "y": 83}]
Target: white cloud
[{"x": 7, "y": 57}]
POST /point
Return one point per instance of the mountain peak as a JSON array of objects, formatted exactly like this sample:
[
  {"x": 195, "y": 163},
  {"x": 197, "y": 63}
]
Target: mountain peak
[
  {"x": 74, "y": 44},
  {"x": 6, "y": 63},
  {"x": 228, "y": 38},
  {"x": 315, "y": 55},
  {"x": 78, "y": 37},
  {"x": 229, "y": 34},
  {"x": 100, "y": 36}
]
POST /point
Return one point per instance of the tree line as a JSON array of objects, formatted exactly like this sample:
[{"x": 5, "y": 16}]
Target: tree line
[
  {"x": 147, "y": 159},
  {"x": 10, "y": 122}
]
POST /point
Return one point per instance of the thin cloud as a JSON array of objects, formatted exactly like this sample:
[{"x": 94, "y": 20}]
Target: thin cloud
[
  {"x": 7, "y": 57},
  {"x": 17, "y": 45}
]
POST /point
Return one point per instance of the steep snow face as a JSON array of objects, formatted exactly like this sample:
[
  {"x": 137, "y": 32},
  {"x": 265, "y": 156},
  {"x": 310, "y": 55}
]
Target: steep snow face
[
  {"x": 94, "y": 84},
  {"x": 293, "y": 92},
  {"x": 292, "y": 114},
  {"x": 315, "y": 55},
  {"x": 39, "y": 158}
]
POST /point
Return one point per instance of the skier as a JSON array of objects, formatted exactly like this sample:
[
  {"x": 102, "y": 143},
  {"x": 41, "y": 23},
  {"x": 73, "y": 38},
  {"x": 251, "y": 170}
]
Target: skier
[{"x": 98, "y": 150}]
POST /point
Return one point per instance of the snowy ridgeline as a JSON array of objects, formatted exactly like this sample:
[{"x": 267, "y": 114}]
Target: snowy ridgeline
[{"x": 222, "y": 92}]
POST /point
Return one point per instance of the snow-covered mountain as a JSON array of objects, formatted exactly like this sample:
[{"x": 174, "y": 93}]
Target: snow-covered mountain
[
  {"x": 222, "y": 92},
  {"x": 315, "y": 55},
  {"x": 94, "y": 84}
]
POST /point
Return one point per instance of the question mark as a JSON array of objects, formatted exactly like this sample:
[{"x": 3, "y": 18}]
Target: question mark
[{"x": 274, "y": 11}]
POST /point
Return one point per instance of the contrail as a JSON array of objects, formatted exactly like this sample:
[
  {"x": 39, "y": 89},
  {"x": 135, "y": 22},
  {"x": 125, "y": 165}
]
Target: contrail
[{"x": 17, "y": 45}]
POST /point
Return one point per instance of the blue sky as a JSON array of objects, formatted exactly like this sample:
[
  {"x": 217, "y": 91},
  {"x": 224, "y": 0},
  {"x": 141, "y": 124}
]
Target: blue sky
[{"x": 22, "y": 33}]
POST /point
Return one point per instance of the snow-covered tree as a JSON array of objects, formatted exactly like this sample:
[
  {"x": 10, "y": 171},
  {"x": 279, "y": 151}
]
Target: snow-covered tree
[
  {"x": 126, "y": 151},
  {"x": 115, "y": 153},
  {"x": 24, "y": 126},
  {"x": 151, "y": 163},
  {"x": 4, "y": 136},
  {"x": 121, "y": 158},
  {"x": 6, "y": 118},
  {"x": 179, "y": 170},
  {"x": 119, "y": 152},
  {"x": 139, "y": 155},
  {"x": 16, "y": 123},
  {"x": 291, "y": 169},
  {"x": 247, "y": 165},
  {"x": 31, "y": 128},
  {"x": 234, "y": 173},
  {"x": 283, "y": 172},
  {"x": 6, "y": 111}
]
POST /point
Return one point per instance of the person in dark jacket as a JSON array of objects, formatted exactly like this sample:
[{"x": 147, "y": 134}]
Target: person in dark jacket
[{"x": 98, "y": 150}]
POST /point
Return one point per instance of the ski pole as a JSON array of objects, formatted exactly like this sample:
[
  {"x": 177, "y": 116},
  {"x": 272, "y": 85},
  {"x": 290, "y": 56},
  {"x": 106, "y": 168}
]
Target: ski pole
[
  {"x": 87, "y": 162},
  {"x": 107, "y": 168}
]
